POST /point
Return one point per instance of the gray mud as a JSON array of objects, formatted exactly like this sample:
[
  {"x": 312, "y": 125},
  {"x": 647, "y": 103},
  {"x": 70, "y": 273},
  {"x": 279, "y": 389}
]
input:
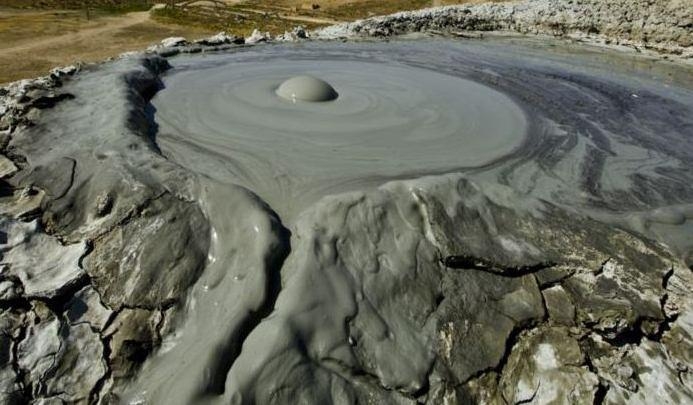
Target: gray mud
[
  {"x": 588, "y": 129},
  {"x": 495, "y": 221},
  {"x": 391, "y": 120},
  {"x": 364, "y": 311}
]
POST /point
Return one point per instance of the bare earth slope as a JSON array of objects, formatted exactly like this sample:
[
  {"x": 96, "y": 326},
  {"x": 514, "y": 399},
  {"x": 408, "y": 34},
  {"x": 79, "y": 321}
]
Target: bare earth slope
[{"x": 35, "y": 41}]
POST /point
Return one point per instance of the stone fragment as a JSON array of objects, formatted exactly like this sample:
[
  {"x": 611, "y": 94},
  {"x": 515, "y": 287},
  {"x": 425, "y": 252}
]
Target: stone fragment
[
  {"x": 221, "y": 38},
  {"x": 623, "y": 295},
  {"x": 104, "y": 204},
  {"x": 652, "y": 375},
  {"x": 257, "y": 37},
  {"x": 60, "y": 72},
  {"x": 296, "y": 34},
  {"x": 611, "y": 362},
  {"x": 482, "y": 390},
  {"x": 37, "y": 353},
  {"x": 9, "y": 289},
  {"x": 552, "y": 275},
  {"x": 10, "y": 321}
]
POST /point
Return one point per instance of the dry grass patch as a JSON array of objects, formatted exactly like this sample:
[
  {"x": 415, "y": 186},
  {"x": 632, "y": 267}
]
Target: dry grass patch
[
  {"x": 278, "y": 16},
  {"x": 233, "y": 19},
  {"x": 35, "y": 41}
]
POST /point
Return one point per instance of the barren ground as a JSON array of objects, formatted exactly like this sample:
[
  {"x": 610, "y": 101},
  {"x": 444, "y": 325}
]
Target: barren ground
[
  {"x": 36, "y": 36},
  {"x": 34, "y": 41}
]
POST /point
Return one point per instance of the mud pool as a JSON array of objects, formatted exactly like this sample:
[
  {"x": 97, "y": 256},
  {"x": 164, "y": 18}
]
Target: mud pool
[
  {"x": 595, "y": 132},
  {"x": 579, "y": 126}
]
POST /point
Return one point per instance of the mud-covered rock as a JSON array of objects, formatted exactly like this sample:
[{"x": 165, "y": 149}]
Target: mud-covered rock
[
  {"x": 152, "y": 259},
  {"x": 559, "y": 306},
  {"x": 641, "y": 371},
  {"x": 132, "y": 335},
  {"x": 432, "y": 299},
  {"x": 40, "y": 262},
  {"x": 79, "y": 366},
  {"x": 42, "y": 341},
  {"x": 11, "y": 390},
  {"x": 58, "y": 359},
  {"x": 21, "y": 203},
  {"x": 482, "y": 310},
  {"x": 86, "y": 307},
  {"x": 547, "y": 366},
  {"x": 634, "y": 274},
  {"x": 7, "y": 167}
]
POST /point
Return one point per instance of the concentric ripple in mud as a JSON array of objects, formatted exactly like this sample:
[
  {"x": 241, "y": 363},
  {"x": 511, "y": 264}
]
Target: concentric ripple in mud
[
  {"x": 389, "y": 120},
  {"x": 595, "y": 133},
  {"x": 582, "y": 129}
]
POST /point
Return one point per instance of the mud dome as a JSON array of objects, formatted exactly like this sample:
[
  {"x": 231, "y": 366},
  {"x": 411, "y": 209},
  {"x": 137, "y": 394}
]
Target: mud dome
[{"x": 498, "y": 221}]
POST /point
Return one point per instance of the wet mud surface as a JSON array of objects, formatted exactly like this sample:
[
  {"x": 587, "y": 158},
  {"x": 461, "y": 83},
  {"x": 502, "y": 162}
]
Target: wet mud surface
[{"x": 575, "y": 125}]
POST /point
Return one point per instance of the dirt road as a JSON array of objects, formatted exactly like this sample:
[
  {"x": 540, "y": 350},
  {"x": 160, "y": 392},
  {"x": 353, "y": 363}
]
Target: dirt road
[
  {"x": 297, "y": 18},
  {"x": 33, "y": 42},
  {"x": 103, "y": 27}
]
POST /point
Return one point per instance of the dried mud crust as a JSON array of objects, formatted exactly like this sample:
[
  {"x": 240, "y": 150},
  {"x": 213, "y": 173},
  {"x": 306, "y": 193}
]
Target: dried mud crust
[
  {"x": 69, "y": 335},
  {"x": 660, "y": 25},
  {"x": 444, "y": 289}
]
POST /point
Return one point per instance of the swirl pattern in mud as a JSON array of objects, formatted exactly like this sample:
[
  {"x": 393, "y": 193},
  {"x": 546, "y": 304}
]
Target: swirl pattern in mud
[
  {"x": 532, "y": 127},
  {"x": 389, "y": 120},
  {"x": 552, "y": 126}
]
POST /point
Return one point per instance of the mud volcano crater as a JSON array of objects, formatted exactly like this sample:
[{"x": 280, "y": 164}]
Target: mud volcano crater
[
  {"x": 409, "y": 109},
  {"x": 418, "y": 221},
  {"x": 390, "y": 119},
  {"x": 431, "y": 152}
]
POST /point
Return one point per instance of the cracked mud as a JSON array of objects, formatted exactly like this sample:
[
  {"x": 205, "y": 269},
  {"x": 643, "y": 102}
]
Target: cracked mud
[{"x": 515, "y": 228}]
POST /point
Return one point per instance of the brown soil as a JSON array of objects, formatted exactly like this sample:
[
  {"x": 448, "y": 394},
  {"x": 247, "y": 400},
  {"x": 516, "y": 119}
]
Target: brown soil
[{"x": 32, "y": 42}]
